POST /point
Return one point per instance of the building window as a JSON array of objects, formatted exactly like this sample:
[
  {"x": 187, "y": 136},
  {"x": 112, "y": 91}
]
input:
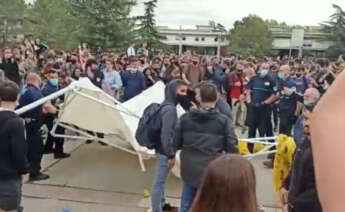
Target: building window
[
  {"x": 216, "y": 39},
  {"x": 197, "y": 39},
  {"x": 202, "y": 39},
  {"x": 183, "y": 38}
]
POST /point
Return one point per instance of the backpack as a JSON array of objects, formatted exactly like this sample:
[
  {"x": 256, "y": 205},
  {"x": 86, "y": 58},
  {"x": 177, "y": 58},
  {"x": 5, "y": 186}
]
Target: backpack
[{"x": 148, "y": 133}]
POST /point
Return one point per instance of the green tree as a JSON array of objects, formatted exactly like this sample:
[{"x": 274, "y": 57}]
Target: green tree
[
  {"x": 335, "y": 27},
  {"x": 250, "y": 36},
  {"x": 147, "y": 28},
  {"x": 107, "y": 22},
  {"x": 12, "y": 18},
  {"x": 51, "y": 21}
]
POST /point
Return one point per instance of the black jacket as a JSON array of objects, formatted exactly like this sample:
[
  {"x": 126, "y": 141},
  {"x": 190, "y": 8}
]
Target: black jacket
[
  {"x": 168, "y": 116},
  {"x": 301, "y": 181},
  {"x": 11, "y": 70},
  {"x": 13, "y": 146},
  {"x": 202, "y": 135}
]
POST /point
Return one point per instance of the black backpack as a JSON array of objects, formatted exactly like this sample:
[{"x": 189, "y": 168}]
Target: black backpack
[{"x": 148, "y": 133}]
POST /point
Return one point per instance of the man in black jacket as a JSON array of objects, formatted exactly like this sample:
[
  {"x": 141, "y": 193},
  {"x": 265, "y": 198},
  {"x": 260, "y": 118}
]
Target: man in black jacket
[
  {"x": 10, "y": 66},
  {"x": 175, "y": 93},
  {"x": 13, "y": 149},
  {"x": 299, "y": 191},
  {"x": 202, "y": 135}
]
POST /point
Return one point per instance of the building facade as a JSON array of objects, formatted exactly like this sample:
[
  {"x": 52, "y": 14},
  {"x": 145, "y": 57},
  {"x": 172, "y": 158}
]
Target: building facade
[{"x": 204, "y": 40}]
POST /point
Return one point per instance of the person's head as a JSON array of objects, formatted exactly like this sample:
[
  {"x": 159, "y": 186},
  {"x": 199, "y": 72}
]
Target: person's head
[
  {"x": 300, "y": 71},
  {"x": 7, "y": 53},
  {"x": 264, "y": 68},
  {"x": 109, "y": 64},
  {"x": 311, "y": 96},
  {"x": 91, "y": 65},
  {"x": 176, "y": 92},
  {"x": 38, "y": 41},
  {"x": 195, "y": 60},
  {"x": 134, "y": 63},
  {"x": 229, "y": 184},
  {"x": 284, "y": 72},
  {"x": 239, "y": 68},
  {"x": 33, "y": 79},
  {"x": 206, "y": 94},
  {"x": 76, "y": 73},
  {"x": 307, "y": 111},
  {"x": 8, "y": 94}
]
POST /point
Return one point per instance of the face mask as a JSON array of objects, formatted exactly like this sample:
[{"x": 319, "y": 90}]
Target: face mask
[
  {"x": 281, "y": 75},
  {"x": 54, "y": 82},
  {"x": 263, "y": 72},
  {"x": 298, "y": 75},
  {"x": 184, "y": 101},
  {"x": 306, "y": 102},
  {"x": 325, "y": 87}
]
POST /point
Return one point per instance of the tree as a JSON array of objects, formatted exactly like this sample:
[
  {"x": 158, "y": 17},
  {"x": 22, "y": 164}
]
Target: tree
[
  {"x": 12, "y": 14},
  {"x": 51, "y": 21},
  {"x": 335, "y": 27},
  {"x": 147, "y": 28},
  {"x": 250, "y": 36},
  {"x": 107, "y": 23}
]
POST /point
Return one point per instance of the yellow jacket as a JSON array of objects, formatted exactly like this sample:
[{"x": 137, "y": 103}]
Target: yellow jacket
[{"x": 283, "y": 160}]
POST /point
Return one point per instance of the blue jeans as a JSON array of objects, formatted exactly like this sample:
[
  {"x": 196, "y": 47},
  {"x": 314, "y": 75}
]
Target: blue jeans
[
  {"x": 187, "y": 198},
  {"x": 160, "y": 178}
]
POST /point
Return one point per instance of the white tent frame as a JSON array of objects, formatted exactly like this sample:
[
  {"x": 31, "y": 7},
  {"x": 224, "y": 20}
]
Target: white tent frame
[{"x": 73, "y": 87}]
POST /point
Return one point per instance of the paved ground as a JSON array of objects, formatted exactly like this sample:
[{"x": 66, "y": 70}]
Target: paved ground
[{"x": 98, "y": 178}]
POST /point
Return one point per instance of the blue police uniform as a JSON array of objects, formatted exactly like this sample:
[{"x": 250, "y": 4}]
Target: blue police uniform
[
  {"x": 261, "y": 89},
  {"x": 33, "y": 123},
  {"x": 49, "y": 122},
  {"x": 287, "y": 106}
]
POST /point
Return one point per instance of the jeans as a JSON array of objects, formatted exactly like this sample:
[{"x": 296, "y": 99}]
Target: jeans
[
  {"x": 10, "y": 194},
  {"x": 187, "y": 198},
  {"x": 160, "y": 178}
]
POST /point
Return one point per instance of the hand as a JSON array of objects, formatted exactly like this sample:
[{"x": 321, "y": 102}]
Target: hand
[
  {"x": 194, "y": 106},
  {"x": 171, "y": 163},
  {"x": 284, "y": 196},
  {"x": 237, "y": 84}
]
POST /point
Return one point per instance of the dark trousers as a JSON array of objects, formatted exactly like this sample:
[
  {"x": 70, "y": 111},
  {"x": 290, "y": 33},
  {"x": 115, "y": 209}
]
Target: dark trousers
[
  {"x": 35, "y": 148},
  {"x": 258, "y": 119},
  {"x": 59, "y": 142},
  {"x": 275, "y": 115},
  {"x": 11, "y": 194},
  {"x": 286, "y": 121}
]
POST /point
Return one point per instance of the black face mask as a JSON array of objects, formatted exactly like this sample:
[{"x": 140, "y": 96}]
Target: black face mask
[
  {"x": 184, "y": 101},
  {"x": 298, "y": 75}
]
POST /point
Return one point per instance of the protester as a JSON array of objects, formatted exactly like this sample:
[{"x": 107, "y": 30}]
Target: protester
[
  {"x": 133, "y": 80},
  {"x": 112, "y": 79},
  {"x": 165, "y": 153},
  {"x": 228, "y": 185},
  {"x": 10, "y": 66},
  {"x": 13, "y": 149},
  {"x": 93, "y": 73},
  {"x": 299, "y": 192},
  {"x": 202, "y": 135}
]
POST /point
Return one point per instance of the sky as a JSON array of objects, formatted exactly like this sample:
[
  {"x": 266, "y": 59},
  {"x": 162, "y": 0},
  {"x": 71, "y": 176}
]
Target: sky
[{"x": 188, "y": 13}]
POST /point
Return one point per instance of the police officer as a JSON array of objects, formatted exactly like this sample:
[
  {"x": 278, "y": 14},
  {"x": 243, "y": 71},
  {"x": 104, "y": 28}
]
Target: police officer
[
  {"x": 287, "y": 103},
  {"x": 261, "y": 91},
  {"x": 33, "y": 123},
  {"x": 49, "y": 88}
]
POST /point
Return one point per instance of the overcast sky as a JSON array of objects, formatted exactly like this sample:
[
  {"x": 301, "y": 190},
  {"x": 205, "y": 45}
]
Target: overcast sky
[{"x": 198, "y": 12}]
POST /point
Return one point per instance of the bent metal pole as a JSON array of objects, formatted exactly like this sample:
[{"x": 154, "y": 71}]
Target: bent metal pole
[{"x": 47, "y": 98}]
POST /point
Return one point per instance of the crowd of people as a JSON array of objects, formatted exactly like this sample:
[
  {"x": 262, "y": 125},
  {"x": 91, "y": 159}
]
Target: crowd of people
[{"x": 267, "y": 95}]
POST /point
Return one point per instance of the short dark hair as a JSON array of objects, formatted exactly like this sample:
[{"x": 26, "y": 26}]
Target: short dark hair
[
  {"x": 90, "y": 62},
  {"x": 208, "y": 92},
  {"x": 9, "y": 91}
]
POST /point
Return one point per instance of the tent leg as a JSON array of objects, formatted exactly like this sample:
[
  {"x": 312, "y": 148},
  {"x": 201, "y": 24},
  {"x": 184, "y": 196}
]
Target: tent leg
[{"x": 141, "y": 161}]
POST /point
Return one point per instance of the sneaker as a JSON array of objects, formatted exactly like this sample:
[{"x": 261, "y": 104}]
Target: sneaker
[
  {"x": 89, "y": 141},
  {"x": 38, "y": 177},
  {"x": 166, "y": 207},
  {"x": 102, "y": 143},
  {"x": 61, "y": 155},
  {"x": 268, "y": 164}
]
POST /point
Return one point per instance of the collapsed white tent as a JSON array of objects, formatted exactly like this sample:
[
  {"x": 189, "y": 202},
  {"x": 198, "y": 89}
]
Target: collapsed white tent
[{"x": 89, "y": 111}]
